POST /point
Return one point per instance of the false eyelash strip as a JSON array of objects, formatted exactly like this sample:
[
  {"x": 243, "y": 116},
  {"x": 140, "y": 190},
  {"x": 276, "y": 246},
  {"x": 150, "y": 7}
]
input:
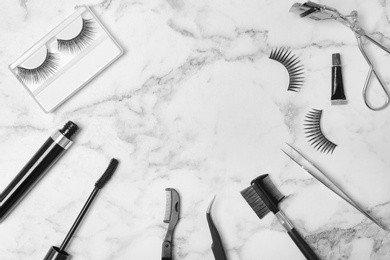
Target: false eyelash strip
[
  {"x": 81, "y": 41},
  {"x": 314, "y": 133},
  {"x": 292, "y": 64},
  {"x": 44, "y": 71}
]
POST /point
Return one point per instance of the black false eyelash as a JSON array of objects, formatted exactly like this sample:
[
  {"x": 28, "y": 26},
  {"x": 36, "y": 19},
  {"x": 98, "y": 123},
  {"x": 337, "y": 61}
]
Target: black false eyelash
[
  {"x": 82, "y": 40},
  {"x": 38, "y": 74},
  {"x": 291, "y": 63},
  {"x": 314, "y": 132}
]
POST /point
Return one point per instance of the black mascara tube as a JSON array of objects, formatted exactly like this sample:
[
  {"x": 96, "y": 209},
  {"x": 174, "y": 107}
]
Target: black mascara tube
[
  {"x": 338, "y": 95},
  {"x": 38, "y": 165}
]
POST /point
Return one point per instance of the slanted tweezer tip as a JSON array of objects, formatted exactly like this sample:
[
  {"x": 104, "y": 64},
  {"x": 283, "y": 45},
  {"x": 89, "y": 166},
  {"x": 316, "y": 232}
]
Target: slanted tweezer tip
[{"x": 210, "y": 205}]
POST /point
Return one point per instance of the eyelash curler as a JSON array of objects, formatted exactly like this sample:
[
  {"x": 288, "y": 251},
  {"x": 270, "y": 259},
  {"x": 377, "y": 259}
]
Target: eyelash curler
[{"x": 321, "y": 12}]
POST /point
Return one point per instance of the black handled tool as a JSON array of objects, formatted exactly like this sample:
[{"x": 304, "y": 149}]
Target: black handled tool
[
  {"x": 216, "y": 246},
  {"x": 172, "y": 211},
  {"x": 264, "y": 197},
  {"x": 59, "y": 253}
]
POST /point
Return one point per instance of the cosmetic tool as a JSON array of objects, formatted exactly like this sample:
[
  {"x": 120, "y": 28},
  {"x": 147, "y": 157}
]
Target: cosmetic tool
[
  {"x": 172, "y": 215},
  {"x": 322, "y": 12},
  {"x": 264, "y": 197},
  {"x": 293, "y": 66},
  {"x": 59, "y": 253},
  {"x": 314, "y": 132},
  {"x": 319, "y": 175},
  {"x": 338, "y": 95},
  {"x": 217, "y": 245},
  {"x": 47, "y": 155}
]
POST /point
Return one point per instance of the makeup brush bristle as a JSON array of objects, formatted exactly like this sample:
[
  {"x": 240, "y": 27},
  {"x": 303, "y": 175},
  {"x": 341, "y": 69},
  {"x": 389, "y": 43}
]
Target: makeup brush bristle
[
  {"x": 107, "y": 174},
  {"x": 255, "y": 201},
  {"x": 168, "y": 206}
]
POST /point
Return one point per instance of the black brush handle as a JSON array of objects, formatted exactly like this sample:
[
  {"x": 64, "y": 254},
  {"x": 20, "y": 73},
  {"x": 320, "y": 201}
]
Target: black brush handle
[
  {"x": 302, "y": 245},
  {"x": 296, "y": 237}
]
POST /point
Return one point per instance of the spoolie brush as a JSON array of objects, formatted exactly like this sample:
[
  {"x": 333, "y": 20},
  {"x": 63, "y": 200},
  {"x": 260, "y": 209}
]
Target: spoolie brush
[
  {"x": 59, "y": 253},
  {"x": 264, "y": 197}
]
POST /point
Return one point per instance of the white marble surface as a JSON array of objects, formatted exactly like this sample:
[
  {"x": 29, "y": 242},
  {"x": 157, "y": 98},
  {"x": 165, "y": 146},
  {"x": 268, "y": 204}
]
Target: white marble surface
[{"x": 196, "y": 104}]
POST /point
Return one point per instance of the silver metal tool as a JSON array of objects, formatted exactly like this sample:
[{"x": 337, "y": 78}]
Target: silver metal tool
[
  {"x": 321, "y": 12},
  {"x": 318, "y": 174}
]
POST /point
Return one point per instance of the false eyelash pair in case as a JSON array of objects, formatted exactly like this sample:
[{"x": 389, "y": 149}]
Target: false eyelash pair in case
[{"x": 66, "y": 59}]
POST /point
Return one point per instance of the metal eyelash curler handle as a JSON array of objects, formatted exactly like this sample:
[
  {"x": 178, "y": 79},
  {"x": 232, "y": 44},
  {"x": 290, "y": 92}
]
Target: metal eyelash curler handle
[
  {"x": 321, "y": 12},
  {"x": 359, "y": 33}
]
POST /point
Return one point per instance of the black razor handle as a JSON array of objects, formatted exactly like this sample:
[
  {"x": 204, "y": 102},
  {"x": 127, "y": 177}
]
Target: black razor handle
[{"x": 302, "y": 245}]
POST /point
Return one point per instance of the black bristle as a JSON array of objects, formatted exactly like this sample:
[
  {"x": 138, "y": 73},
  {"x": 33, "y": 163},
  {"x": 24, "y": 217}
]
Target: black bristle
[
  {"x": 107, "y": 174},
  {"x": 263, "y": 196},
  {"x": 255, "y": 201}
]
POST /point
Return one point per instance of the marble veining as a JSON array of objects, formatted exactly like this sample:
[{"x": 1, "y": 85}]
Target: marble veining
[{"x": 196, "y": 104}]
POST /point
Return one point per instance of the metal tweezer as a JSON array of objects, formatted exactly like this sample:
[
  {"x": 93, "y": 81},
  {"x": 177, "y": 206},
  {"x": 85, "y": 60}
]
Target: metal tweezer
[
  {"x": 216, "y": 246},
  {"x": 325, "y": 180}
]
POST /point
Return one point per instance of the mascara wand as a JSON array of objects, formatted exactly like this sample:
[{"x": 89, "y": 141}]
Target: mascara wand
[{"x": 59, "y": 253}]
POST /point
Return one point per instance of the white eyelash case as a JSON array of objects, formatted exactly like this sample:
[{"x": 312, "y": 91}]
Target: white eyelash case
[{"x": 66, "y": 59}]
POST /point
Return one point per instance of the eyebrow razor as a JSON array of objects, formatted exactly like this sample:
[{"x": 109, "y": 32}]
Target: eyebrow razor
[
  {"x": 322, "y": 12},
  {"x": 172, "y": 212}
]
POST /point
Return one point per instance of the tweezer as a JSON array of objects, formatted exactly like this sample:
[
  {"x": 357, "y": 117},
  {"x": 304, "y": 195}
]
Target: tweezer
[
  {"x": 325, "y": 180},
  {"x": 216, "y": 246}
]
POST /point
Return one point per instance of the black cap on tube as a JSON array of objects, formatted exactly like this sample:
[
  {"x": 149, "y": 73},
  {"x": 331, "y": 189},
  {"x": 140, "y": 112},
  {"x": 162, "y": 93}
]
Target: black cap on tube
[
  {"x": 55, "y": 254},
  {"x": 69, "y": 129}
]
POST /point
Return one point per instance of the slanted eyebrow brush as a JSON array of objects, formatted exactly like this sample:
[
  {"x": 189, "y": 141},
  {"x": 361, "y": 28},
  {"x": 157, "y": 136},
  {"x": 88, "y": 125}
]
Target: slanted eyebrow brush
[
  {"x": 301, "y": 160},
  {"x": 172, "y": 215},
  {"x": 264, "y": 197},
  {"x": 59, "y": 253}
]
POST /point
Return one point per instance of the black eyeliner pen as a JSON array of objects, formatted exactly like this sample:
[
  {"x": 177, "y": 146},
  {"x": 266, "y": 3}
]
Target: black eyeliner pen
[{"x": 34, "y": 170}]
